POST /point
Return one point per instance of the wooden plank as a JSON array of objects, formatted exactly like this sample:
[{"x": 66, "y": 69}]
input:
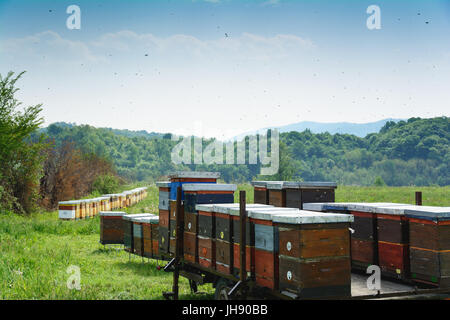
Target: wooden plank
[
  {"x": 164, "y": 240},
  {"x": 266, "y": 268},
  {"x": 277, "y": 198},
  {"x": 206, "y": 224},
  {"x": 313, "y": 278},
  {"x": 394, "y": 229},
  {"x": 362, "y": 251},
  {"x": 394, "y": 259},
  {"x": 314, "y": 243},
  {"x": 224, "y": 252},
  {"x": 190, "y": 245},
  {"x": 261, "y": 195},
  {"x": 164, "y": 218},
  {"x": 266, "y": 238},
  {"x": 223, "y": 227},
  {"x": 190, "y": 222},
  {"x": 163, "y": 200}
]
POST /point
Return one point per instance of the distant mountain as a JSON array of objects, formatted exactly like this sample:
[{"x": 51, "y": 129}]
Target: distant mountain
[{"x": 357, "y": 129}]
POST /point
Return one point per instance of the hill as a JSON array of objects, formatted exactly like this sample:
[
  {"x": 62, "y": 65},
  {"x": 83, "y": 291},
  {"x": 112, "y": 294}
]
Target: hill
[
  {"x": 357, "y": 129},
  {"x": 412, "y": 152}
]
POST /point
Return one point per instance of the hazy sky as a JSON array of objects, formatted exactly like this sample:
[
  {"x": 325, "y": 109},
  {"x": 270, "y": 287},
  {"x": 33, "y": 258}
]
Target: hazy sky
[{"x": 228, "y": 66}]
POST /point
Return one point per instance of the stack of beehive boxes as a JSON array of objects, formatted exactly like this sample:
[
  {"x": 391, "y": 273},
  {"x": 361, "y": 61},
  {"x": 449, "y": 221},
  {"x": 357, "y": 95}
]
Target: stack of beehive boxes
[
  {"x": 167, "y": 204},
  {"x": 293, "y": 194}
]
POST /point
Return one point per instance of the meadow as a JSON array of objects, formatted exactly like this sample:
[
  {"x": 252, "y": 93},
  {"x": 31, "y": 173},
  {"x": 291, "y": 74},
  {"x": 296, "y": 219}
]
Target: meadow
[{"x": 36, "y": 251}]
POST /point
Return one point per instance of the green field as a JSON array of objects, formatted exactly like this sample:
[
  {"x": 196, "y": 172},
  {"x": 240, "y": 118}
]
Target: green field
[{"x": 36, "y": 251}]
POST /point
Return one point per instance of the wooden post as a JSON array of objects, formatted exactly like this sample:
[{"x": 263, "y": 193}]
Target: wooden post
[
  {"x": 179, "y": 242},
  {"x": 418, "y": 198},
  {"x": 242, "y": 240}
]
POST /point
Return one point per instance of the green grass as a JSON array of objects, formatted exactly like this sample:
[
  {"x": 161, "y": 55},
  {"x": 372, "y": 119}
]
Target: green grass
[{"x": 36, "y": 251}]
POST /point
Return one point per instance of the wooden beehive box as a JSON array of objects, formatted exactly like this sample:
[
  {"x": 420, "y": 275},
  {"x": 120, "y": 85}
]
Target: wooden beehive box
[
  {"x": 147, "y": 237},
  {"x": 67, "y": 210},
  {"x": 128, "y": 231},
  {"x": 178, "y": 179},
  {"x": 266, "y": 244},
  {"x": 164, "y": 191},
  {"x": 298, "y": 193},
  {"x": 277, "y": 195},
  {"x": 224, "y": 247},
  {"x": 261, "y": 194},
  {"x": 314, "y": 259},
  {"x": 393, "y": 240},
  {"x": 234, "y": 212},
  {"x": 206, "y": 235},
  {"x": 364, "y": 236},
  {"x": 111, "y": 227},
  {"x": 429, "y": 238}
]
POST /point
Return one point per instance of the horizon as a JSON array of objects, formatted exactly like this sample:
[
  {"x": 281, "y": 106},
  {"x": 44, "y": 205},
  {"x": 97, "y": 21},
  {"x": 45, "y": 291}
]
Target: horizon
[{"x": 226, "y": 66}]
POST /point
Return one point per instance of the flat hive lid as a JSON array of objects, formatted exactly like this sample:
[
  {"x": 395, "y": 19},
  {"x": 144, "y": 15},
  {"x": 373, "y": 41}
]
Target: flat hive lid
[
  {"x": 232, "y": 208},
  {"x": 371, "y": 206},
  {"x": 112, "y": 213},
  {"x": 397, "y": 209},
  {"x": 209, "y": 187},
  {"x": 204, "y": 207},
  {"x": 275, "y": 185},
  {"x": 428, "y": 213},
  {"x": 147, "y": 219},
  {"x": 131, "y": 217},
  {"x": 268, "y": 213},
  {"x": 323, "y": 206},
  {"x": 69, "y": 202},
  {"x": 163, "y": 184},
  {"x": 260, "y": 184},
  {"x": 311, "y": 217},
  {"x": 195, "y": 174},
  {"x": 309, "y": 184}
]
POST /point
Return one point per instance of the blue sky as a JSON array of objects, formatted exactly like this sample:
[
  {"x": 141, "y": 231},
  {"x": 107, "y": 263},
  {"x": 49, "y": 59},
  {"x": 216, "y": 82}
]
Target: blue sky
[{"x": 228, "y": 66}]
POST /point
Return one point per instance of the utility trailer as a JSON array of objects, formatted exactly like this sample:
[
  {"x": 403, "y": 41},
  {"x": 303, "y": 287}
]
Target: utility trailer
[{"x": 244, "y": 287}]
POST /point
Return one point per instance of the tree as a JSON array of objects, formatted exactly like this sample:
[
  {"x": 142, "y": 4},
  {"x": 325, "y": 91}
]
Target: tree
[{"x": 21, "y": 158}]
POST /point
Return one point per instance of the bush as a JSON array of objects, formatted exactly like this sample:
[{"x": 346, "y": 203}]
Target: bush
[
  {"x": 105, "y": 184},
  {"x": 379, "y": 182}
]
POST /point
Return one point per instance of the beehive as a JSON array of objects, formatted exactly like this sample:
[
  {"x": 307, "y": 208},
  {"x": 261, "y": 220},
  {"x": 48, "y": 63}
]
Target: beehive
[
  {"x": 206, "y": 235},
  {"x": 67, "y": 210},
  {"x": 177, "y": 179},
  {"x": 314, "y": 258},
  {"x": 128, "y": 232},
  {"x": 277, "y": 195},
  {"x": 82, "y": 209},
  {"x": 429, "y": 239},
  {"x": 364, "y": 237},
  {"x": 298, "y": 193},
  {"x": 111, "y": 227},
  {"x": 261, "y": 194},
  {"x": 201, "y": 193},
  {"x": 224, "y": 245},
  {"x": 266, "y": 244},
  {"x": 147, "y": 237},
  {"x": 233, "y": 210},
  {"x": 393, "y": 240}
]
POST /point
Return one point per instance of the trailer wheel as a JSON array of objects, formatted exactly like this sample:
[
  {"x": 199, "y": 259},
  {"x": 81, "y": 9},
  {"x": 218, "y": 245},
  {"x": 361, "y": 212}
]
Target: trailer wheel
[{"x": 222, "y": 290}]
